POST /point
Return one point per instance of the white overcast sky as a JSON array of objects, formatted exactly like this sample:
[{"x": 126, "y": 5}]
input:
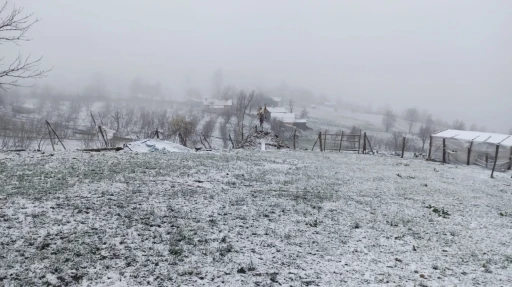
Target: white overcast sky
[{"x": 453, "y": 58}]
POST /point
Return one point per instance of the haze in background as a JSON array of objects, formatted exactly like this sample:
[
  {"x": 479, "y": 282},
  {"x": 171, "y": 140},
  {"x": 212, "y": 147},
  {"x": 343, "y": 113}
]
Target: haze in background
[{"x": 450, "y": 57}]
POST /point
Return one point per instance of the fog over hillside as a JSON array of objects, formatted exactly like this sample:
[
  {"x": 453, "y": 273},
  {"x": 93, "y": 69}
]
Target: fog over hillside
[{"x": 450, "y": 58}]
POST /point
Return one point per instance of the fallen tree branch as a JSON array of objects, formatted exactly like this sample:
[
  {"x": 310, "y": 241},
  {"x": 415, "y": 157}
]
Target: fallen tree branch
[{"x": 102, "y": 149}]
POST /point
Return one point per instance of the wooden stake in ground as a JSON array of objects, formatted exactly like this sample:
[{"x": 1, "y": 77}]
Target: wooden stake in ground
[
  {"x": 294, "y": 134},
  {"x": 364, "y": 143},
  {"x": 359, "y": 142},
  {"x": 430, "y": 148},
  {"x": 319, "y": 137},
  {"x": 369, "y": 144},
  {"x": 444, "y": 150},
  {"x": 325, "y": 140},
  {"x": 469, "y": 153},
  {"x": 50, "y": 135},
  {"x": 403, "y": 147},
  {"x": 495, "y": 160},
  {"x": 510, "y": 160},
  {"x": 50, "y": 126},
  {"x": 314, "y": 144},
  {"x": 341, "y": 140}
]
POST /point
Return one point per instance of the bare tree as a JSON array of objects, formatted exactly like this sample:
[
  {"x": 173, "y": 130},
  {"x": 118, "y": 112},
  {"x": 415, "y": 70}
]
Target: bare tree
[
  {"x": 304, "y": 114},
  {"x": 13, "y": 29},
  {"x": 184, "y": 127},
  {"x": 459, "y": 125},
  {"x": 389, "y": 120},
  {"x": 355, "y": 130},
  {"x": 291, "y": 104},
  {"x": 223, "y": 129},
  {"x": 208, "y": 127},
  {"x": 117, "y": 118},
  {"x": 395, "y": 142},
  {"x": 424, "y": 134},
  {"x": 242, "y": 102},
  {"x": 411, "y": 115}
]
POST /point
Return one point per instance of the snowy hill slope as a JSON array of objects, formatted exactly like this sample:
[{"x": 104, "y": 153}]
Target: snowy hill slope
[{"x": 251, "y": 219}]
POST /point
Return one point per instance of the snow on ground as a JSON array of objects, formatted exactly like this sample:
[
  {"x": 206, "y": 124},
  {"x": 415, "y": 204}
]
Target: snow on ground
[
  {"x": 152, "y": 145},
  {"x": 246, "y": 218},
  {"x": 328, "y": 118}
]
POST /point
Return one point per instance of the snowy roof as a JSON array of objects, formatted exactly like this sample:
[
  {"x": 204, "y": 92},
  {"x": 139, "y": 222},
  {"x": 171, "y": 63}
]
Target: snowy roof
[
  {"x": 216, "y": 107},
  {"x": 300, "y": 120},
  {"x": 276, "y": 99},
  {"x": 215, "y": 102},
  {"x": 492, "y": 138},
  {"x": 285, "y": 117},
  {"x": 277, "y": 110}
]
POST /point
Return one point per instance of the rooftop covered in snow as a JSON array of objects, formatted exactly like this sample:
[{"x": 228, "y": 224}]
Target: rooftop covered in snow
[
  {"x": 277, "y": 110},
  {"x": 216, "y": 102},
  {"x": 479, "y": 137}
]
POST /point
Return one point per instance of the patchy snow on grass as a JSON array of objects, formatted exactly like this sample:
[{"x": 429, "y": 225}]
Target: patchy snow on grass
[
  {"x": 251, "y": 219},
  {"x": 155, "y": 145}
]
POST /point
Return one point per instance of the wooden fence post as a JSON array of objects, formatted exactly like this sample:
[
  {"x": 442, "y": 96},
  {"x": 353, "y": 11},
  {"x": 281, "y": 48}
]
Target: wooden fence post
[
  {"x": 364, "y": 142},
  {"x": 50, "y": 126},
  {"x": 444, "y": 150},
  {"x": 359, "y": 143},
  {"x": 315, "y": 143},
  {"x": 325, "y": 140},
  {"x": 469, "y": 152},
  {"x": 370, "y": 144},
  {"x": 430, "y": 148},
  {"x": 294, "y": 133},
  {"x": 510, "y": 160},
  {"x": 495, "y": 160},
  {"x": 341, "y": 140},
  {"x": 403, "y": 147},
  {"x": 50, "y": 135}
]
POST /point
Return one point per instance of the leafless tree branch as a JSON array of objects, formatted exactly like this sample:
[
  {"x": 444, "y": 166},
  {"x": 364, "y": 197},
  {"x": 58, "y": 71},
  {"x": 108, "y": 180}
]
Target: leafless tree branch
[{"x": 13, "y": 28}]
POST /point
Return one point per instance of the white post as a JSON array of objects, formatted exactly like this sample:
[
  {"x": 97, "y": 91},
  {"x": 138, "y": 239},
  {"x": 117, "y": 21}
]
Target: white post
[{"x": 262, "y": 146}]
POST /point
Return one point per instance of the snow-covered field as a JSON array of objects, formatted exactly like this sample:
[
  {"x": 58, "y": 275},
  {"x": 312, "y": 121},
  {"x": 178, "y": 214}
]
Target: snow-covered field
[
  {"x": 327, "y": 118},
  {"x": 246, "y": 218}
]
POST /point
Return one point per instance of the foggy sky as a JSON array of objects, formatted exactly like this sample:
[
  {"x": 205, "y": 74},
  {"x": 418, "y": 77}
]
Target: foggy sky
[{"x": 451, "y": 57}]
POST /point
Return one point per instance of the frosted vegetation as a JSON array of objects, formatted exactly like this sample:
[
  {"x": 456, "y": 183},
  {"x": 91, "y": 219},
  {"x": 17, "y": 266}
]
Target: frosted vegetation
[{"x": 250, "y": 219}]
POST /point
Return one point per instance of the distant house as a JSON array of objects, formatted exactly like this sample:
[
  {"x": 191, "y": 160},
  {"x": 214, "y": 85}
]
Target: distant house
[
  {"x": 281, "y": 114},
  {"x": 270, "y": 112},
  {"x": 217, "y": 106},
  {"x": 284, "y": 117},
  {"x": 300, "y": 124}
]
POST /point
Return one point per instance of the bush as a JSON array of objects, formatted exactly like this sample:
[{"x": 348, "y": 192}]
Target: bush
[{"x": 184, "y": 127}]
